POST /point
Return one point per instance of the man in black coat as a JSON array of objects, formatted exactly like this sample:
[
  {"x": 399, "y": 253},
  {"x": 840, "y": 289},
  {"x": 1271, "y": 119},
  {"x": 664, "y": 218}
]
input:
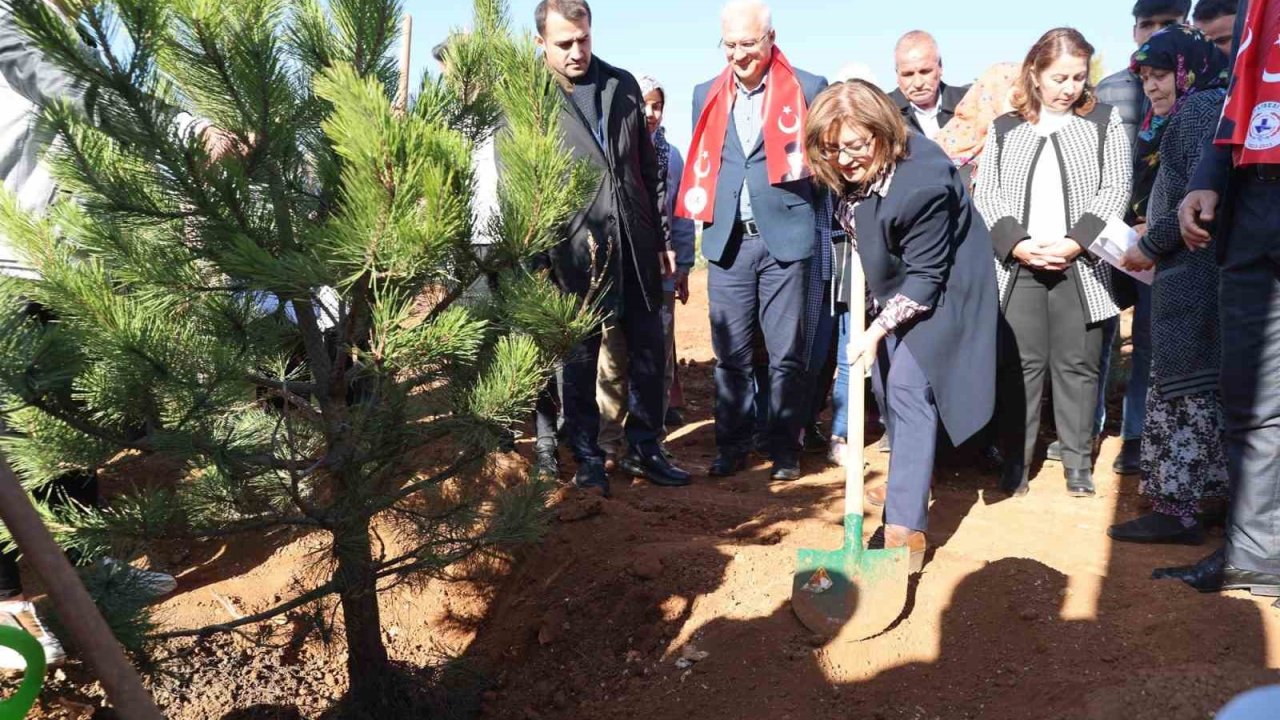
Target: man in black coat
[
  {"x": 926, "y": 103},
  {"x": 616, "y": 242},
  {"x": 1234, "y": 204}
]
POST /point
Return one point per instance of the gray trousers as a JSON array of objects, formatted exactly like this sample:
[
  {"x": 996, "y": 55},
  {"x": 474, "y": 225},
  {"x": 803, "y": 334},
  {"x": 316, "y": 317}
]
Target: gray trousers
[
  {"x": 1249, "y": 288},
  {"x": 1043, "y": 332}
]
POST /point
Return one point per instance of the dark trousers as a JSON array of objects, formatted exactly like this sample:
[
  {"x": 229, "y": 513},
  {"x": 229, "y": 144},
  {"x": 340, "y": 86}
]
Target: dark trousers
[
  {"x": 1250, "y": 312},
  {"x": 547, "y": 415},
  {"x": 911, "y": 415},
  {"x": 80, "y": 486},
  {"x": 646, "y": 367},
  {"x": 1043, "y": 331},
  {"x": 748, "y": 286}
]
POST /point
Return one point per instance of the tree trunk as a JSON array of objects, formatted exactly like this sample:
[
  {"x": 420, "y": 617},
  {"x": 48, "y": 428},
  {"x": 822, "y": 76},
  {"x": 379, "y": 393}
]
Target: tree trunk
[{"x": 367, "y": 665}]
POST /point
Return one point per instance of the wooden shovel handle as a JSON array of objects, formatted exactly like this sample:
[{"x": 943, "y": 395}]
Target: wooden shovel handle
[{"x": 855, "y": 452}]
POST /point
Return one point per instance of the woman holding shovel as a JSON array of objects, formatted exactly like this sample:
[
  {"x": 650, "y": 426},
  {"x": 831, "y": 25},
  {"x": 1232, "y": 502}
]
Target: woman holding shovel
[{"x": 926, "y": 257}]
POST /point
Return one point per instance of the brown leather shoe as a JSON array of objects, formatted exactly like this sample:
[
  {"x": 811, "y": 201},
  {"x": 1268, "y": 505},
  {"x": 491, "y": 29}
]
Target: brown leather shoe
[
  {"x": 874, "y": 496},
  {"x": 610, "y": 462},
  {"x": 898, "y": 536}
]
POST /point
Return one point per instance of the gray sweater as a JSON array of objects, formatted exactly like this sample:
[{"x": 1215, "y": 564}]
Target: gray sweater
[{"x": 1185, "y": 339}]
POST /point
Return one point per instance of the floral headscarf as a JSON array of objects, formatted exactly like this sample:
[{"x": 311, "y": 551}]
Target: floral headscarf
[
  {"x": 648, "y": 84},
  {"x": 963, "y": 137},
  {"x": 1198, "y": 66}
]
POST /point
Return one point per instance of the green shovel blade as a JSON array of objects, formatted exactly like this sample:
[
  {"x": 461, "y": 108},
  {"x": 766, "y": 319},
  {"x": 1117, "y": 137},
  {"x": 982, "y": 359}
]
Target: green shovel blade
[
  {"x": 17, "y": 706},
  {"x": 851, "y": 592}
]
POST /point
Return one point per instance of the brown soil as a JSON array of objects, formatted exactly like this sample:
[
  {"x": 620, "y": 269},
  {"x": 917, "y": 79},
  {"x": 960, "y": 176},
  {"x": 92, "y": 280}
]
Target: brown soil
[{"x": 1024, "y": 610}]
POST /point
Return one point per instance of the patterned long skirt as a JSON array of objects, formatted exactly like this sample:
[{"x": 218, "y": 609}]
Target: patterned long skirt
[{"x": 1183, "y": 458}]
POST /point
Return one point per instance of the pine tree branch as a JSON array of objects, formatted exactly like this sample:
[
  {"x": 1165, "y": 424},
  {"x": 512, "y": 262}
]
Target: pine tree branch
[
  {"x": 329, "y": 588},
  {"x": 452, "y": 296},
  {"x": 451, "y": 471},
  {"x": 293, "y": 388},
  {"x": 294, "y": 488}
]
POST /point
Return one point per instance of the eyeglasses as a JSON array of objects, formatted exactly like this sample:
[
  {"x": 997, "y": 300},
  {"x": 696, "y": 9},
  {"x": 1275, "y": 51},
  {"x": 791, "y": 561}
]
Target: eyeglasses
[
  {"x": 745, "y": 45},
  {"x": 855, "y": 149}
]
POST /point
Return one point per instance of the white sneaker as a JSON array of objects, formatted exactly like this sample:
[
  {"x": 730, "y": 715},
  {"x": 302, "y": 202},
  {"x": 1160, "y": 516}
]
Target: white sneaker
[
  {"x": 22, "y": 615},
  {"x": 838, "y": 452},
  {"x": 154, "y": 584}
]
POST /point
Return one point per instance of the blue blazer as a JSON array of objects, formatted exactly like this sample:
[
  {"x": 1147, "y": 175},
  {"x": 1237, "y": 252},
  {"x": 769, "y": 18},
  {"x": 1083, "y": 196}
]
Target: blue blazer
[
  {"x": 785, "y": 213},
  {"x": 925, "y": 240}
]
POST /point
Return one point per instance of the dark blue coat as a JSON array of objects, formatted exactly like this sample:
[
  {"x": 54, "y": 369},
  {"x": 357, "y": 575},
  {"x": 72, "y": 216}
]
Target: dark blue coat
[
  {"x": 925, "y": 240},
  {"x": 785, "y": 212}
]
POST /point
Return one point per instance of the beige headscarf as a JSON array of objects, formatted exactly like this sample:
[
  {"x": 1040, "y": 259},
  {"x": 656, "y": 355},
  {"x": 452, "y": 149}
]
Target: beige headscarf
[{"x": 964, "y": 135}]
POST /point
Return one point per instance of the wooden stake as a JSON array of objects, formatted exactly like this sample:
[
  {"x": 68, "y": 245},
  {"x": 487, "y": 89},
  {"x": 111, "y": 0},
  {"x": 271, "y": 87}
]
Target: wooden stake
[
  {"x": 406, "y": 33},
  {"x": 75, "y": 608}
]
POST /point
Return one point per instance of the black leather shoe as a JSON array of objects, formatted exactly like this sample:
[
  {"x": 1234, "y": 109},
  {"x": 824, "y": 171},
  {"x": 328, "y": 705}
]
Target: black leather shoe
[
  {"x": 1157, "y": 528},
  {"x": 1080, "y": 482},
  {"x": 727, "y": 466},
  {"x": 655, "y": 468},
  {"x": 1129, "y": 461},
  {"x": 815, "y": 441},
  {"x": 1214, "y": 574},
  {"x": 1053, "y": 453},
  {"x": 673, "y": 419},
  {"x": 547, "y": 462},
  {"x": 787, "y": 472},
  {"x": 592, "y": 475},
  {"x": 1014, "y": 480}
]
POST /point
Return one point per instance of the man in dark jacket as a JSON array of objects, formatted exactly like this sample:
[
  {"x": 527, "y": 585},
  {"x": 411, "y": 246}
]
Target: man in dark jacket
[
  {"x": 926, "y": 103},
  {"x": 615, "y": 243},
  {"x": 1233, "y": 203}
]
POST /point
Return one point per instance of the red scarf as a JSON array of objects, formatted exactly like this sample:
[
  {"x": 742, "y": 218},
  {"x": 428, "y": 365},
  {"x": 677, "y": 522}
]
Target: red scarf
[
  {"x": 785, "y": 111},
  {"x": 1251, "y": 117}
]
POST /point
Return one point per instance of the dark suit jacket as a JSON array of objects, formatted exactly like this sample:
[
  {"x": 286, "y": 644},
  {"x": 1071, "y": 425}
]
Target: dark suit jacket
[
  {"x": 785, "y": 212},
  {"x": 1214, "y": 170},
  {"x": 925, "y": 240},
  {"x": 623, "y": 217},
  {"x": 949, "y": 98}
]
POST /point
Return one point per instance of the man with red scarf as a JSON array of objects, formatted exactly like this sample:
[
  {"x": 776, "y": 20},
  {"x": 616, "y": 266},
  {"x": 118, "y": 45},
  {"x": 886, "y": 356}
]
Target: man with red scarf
[
  {"x": 746, "y": 182},
  {"x": 1234, "y": 203}
]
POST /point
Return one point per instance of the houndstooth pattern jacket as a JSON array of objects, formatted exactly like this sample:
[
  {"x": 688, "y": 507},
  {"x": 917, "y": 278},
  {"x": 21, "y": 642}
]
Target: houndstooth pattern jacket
[{"x": 1097, "y": 174}]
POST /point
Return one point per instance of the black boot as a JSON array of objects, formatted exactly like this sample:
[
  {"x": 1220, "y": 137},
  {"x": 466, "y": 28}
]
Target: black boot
[
  {"x": 1157, "y": 528},
  {"x": 547, "y": 462},
  {"x": 1080, "y": 482},
  {"x": 1129, "y": 461},
  {"x": 1014, "y": 480}
]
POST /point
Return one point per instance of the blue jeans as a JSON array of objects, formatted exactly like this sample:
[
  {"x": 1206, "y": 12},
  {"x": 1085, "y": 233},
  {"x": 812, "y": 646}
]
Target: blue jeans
[
  {"x": 1135, "y": 395},
  {"x": 840, "y": 391}
]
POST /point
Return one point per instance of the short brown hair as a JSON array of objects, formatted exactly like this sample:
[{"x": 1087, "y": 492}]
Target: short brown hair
[
  {"x": 859, "y": 104},
  {"x": 1051, "y": 46},
  {"x": 575, "y": 11}
]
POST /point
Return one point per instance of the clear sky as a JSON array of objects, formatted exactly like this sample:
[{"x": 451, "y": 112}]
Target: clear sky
[{"x": 675, "y": 40}]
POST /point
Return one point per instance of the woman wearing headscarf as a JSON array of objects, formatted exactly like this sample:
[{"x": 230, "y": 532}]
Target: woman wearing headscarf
[
  {"x": 989, "y": 98},
  {"x": 926, "y": 256},
  {"x": 1183, "y": 462}
]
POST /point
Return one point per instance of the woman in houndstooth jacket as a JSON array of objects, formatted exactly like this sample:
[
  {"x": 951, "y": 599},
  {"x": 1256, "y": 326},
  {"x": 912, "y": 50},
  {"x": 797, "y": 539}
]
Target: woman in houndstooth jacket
[{"x": 1057, "y": 169}]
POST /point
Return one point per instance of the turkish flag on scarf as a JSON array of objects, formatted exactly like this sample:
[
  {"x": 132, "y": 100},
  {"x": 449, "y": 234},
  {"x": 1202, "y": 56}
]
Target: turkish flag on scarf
[
  {"x": 785, "y": 111},
  {"x": 1251, "y": 117}
]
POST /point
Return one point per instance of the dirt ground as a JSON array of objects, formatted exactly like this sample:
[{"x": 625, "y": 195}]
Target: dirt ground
[{"x": 1025, "y": 609}]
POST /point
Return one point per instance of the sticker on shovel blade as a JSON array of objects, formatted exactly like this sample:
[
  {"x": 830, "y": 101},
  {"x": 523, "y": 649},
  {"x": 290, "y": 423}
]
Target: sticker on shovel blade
[{"x": 818, "y": 582}]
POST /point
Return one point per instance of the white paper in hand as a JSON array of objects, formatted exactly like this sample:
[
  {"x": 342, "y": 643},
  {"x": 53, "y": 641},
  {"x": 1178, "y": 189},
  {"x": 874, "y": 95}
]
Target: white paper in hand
[{"x": 1113, "y": 242}]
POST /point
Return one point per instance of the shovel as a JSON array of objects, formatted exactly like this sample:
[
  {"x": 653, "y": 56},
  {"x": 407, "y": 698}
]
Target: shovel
[
  {"x": 17, "y": 705},
  {"x": 852, "y": 592}
]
